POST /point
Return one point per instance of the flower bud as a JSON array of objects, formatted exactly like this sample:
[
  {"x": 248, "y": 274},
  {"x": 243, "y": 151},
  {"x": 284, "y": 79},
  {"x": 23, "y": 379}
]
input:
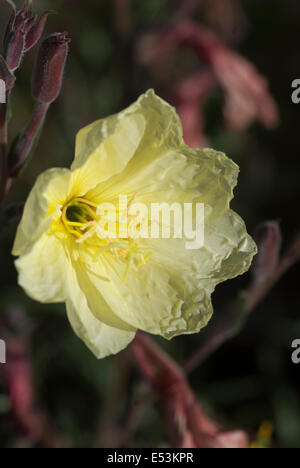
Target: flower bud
[
  {"x": 22, "y": 15},
  {"x": 35, "y": 32},
  {"x": 22, "y": 33},
  {"x": 14, "y": 40},
  {"x": 48, "y": 75},
  {"x": 14, "y": 49},
  {"x": 28, "y": 25}
]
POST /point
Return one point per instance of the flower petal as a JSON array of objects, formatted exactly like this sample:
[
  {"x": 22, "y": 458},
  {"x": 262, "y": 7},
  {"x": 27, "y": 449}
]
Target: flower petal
[
  {"x": 43, "y": 271},
  {"x": 104, "y": 309},
  {"x": 98, "y": 158},
  {"x": 181, "y": 175},
  {"x": 162, "y": 133},
  {"x": 170, "y": 294},
  {"x": 101, "y": 339},
  {"x": 231, "y": 248},
  {"x": 162, "y": 124},
  {"x": 146, "y": 300},
  {"x": 227, "y": 252},
  {"x": 35, "y": 220}
]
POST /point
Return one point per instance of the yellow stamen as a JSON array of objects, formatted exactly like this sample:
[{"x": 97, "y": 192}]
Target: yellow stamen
[{"x": 80, "y": 219}]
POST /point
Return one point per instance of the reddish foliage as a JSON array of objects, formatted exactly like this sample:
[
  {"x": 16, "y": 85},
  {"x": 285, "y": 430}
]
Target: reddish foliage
[
  {"x": 17, "y": 375},
  {"x": 190, "y": 95},
  {"x": 187, "y": 424},
  {"x": 247, "y": 98}
]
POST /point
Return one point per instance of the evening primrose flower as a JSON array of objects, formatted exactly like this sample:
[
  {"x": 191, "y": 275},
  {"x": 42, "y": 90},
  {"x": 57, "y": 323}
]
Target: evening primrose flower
[{"x": 114, "y": 286}]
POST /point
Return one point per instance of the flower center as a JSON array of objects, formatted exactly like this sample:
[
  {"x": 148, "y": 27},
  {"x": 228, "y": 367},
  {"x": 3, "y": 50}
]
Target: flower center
[
  {"x": 80, "y": 219},
  {"x": 77, "y": 216}
]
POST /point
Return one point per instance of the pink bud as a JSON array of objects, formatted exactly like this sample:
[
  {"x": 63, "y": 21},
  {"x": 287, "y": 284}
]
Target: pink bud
[
  {"x": 29, "y": 23},
  {"x": 14, "y": 40},
  {"x": 23, "y": 32},
  {"x": 35, "y": 32},
  {"x": 48, "y": 75},
  {"x": 14, "y": 50},
  {"x": 21, "y": 16}
]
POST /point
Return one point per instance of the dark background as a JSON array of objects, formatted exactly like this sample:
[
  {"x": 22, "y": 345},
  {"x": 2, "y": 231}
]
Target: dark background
[{"x": 251, "y": 379}]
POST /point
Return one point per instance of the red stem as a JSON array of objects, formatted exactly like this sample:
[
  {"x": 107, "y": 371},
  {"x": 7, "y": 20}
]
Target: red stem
[{"x": 25, "y": 144}]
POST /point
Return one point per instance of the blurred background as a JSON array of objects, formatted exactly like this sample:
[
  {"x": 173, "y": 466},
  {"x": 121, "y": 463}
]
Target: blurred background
[{"x": 120, "y": 49}]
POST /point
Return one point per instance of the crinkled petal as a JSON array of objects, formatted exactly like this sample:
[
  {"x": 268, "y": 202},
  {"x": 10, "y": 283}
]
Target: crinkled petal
[
  {"x": 179, "y": 175},
  {"x": 98, "y": 158},
  {"x": 230, "y": 247},
  {"x": 163, "y": 126},
  {"x": 170, "y": 295},
  {"x": 162, "y": 133},
  {"x": 149, "y": 300},
  {"x": 227, "y": 252}
]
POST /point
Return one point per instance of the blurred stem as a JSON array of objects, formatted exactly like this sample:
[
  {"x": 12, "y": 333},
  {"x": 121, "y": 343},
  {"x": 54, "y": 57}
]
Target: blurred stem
[
  {"x": 149, "y": 355},
  {"x": 122, "y": 18},
  {"x": 256, "y": 294},
  {"x": 230, "y": 327},
  {"x": 124, "y": 46},
  {"x": 108, "y": 432}
]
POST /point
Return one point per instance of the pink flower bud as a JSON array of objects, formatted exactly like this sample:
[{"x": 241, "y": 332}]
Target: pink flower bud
[
  {"x": 35, "y": 32},
  {"x": 29, "y": 23},
  {"x": 48, "y": 75},
  {"x": 21, "y": 16},
  {"x": 23, "y": 32},
  {"x": 14, "y": 49},
  {"x": 14, "y": 39}
]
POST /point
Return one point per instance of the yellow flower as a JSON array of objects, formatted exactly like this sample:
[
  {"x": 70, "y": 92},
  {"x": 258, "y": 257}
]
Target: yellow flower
[{"x": 114, "y": 286}]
